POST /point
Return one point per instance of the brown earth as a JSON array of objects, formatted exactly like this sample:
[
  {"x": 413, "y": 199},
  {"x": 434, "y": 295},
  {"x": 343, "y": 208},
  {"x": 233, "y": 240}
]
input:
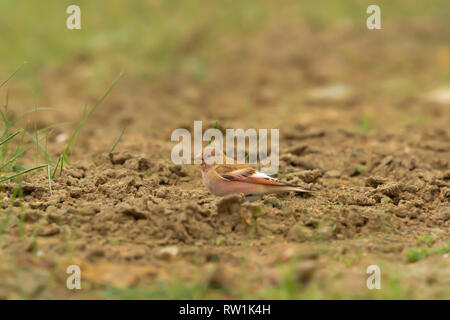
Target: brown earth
[{"x": 359, "y": 124}]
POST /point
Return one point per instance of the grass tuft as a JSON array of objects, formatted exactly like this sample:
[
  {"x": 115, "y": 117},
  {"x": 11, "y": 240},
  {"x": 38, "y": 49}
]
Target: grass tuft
[
  {"x": 71, "y": 143},
  {"x": 413, "y": 255}
]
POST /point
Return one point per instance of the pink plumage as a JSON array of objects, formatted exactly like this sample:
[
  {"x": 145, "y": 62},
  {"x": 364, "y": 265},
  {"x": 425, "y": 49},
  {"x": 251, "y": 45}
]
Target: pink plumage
[{"x": 224, "y": 179}]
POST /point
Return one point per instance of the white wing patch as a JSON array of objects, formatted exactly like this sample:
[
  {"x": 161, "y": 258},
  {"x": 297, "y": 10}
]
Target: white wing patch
[{"x": 258, "y": 174}]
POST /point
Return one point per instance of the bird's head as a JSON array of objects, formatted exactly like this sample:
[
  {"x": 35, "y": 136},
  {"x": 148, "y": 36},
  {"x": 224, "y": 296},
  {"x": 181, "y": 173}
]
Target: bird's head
[{"x": 209, "y": 157}]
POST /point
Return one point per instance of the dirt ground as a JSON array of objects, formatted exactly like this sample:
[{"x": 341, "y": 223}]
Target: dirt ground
[{"x": 361, "y": 124}]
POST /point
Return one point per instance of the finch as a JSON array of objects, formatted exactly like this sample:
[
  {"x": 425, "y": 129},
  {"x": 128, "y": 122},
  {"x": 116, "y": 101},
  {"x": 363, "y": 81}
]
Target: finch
[{"x": 224, "y": 179}]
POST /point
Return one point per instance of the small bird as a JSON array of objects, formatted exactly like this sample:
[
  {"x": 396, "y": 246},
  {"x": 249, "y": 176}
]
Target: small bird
[{"x": 224, "y": 179}]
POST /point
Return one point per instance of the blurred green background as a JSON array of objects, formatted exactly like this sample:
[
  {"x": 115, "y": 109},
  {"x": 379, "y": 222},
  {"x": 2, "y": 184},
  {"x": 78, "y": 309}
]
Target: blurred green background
[{"x": 159, "y": 38}]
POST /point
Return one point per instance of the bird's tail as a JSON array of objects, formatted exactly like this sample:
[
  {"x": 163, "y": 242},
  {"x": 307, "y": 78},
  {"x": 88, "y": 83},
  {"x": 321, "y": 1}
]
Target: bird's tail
[
  {"x": 299, "y": 189},
  {"x": 287, "y": 188}
]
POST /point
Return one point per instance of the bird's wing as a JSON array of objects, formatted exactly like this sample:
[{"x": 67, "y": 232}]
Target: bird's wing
[
  {"x": 246, "y": 174},
  {"x": 234, "y": 171}
]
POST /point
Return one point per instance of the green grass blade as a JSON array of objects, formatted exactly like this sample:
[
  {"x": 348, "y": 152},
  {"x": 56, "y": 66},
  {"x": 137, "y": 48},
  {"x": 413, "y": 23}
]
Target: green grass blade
[
  {"x": 3, "y": 179},
  {"x": 38, "y": 144},
  {"x": 76, "y": 133},
  {"x": 86, "y": 115},
  {"x": 49, "y": 180},
  {"x": 63, "y": 158},
  {"x": 116, "y": 141},
  {"x": 12, "y": 159},
  {"x": 56, "y": 166},
  {"x": 10, "y": 137},
  {"x": 104, "y": 95},
  {"x": 6, "y": 123},
  {"x": 20, "y": 117},
  {"x": 12, "y": 75}
]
